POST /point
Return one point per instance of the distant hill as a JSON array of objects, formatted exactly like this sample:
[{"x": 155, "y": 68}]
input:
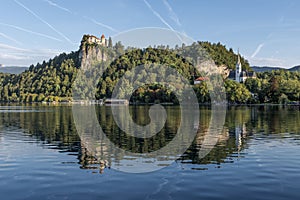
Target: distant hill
[
  {"x": 13, "y": 70},
  {"x": 296, "y": 68},
  {"x": 269, "y": 69}
]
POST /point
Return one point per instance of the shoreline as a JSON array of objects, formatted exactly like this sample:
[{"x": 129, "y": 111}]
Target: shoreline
[{"x": 141, "y": 104}]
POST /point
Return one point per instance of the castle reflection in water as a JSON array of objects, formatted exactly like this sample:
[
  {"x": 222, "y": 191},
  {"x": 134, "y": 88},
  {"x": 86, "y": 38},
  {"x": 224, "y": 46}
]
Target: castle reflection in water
[{"x": 55, "y": 125}]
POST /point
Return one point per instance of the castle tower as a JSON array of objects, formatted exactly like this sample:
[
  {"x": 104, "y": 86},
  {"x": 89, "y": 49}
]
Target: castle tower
[
  {"x": 103, "y": 40},
  {"x": 238, "y": 69}
]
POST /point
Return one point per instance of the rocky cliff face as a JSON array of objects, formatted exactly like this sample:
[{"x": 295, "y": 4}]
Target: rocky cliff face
[
  {"x": 90, "y": 54},
  {"x": 209, "y": 68}
]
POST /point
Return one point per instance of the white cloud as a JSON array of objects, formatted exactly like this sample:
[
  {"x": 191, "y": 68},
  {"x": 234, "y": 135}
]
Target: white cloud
[
  {"x": 4, "y": 56},
  {"x": 11, "y": 55},
  {"x": 272, "y": 62}
]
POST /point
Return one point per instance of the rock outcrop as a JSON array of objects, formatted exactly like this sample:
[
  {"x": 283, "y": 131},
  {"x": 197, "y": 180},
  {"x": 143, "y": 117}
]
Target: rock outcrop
[{"x": 91, "y": 54}]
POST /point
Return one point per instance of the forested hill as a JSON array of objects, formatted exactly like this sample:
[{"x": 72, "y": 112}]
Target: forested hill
[
  {"x": 52, "y": 80},
  {"x": 270, "y": 69},
  {"x": 48, "y": 81},
  {"x": 294, "y": 69},
  {"x": 221, "y": 55}
]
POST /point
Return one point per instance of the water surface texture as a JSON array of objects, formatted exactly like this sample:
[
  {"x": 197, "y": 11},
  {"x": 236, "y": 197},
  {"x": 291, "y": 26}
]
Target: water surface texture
[{"x": 42, "y": 156}]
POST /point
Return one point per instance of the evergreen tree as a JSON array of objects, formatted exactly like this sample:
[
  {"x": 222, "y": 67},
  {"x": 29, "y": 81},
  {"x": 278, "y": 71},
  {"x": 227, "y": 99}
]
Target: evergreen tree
[{"x": 110, "y": 44}]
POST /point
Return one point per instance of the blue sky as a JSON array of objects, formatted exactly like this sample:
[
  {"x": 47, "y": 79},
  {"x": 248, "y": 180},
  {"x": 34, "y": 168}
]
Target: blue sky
[{"x": 267, "y": 32}]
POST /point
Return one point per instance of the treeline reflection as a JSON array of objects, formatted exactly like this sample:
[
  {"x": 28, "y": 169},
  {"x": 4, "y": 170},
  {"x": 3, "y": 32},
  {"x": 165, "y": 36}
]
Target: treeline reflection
[{"x": 54, "y": 126}]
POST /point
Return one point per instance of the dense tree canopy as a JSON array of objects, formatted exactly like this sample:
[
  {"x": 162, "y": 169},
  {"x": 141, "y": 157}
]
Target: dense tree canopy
[
  {"x": 52, "y": 80},
  {"x": 275, "y": 87},
  {"x": 48, "y": 81}
]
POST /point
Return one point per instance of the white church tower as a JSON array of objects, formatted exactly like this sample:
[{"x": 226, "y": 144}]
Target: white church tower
[{"x": 238, "y": 69}]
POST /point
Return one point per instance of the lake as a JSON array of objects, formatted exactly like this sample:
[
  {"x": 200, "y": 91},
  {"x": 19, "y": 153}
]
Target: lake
[{"x": 42, "y": 156}]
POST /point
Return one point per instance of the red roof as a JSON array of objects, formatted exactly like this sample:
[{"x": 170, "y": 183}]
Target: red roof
[
  {"x": 102, "y": 36},
  {"x": 202, "y": 79}
]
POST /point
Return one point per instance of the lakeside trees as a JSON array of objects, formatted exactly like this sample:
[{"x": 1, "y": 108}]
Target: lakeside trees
[
  {"x": 275, "y": 87},
  {"x": 52, "y": 80},
  {"x": 269, "y": 87}
]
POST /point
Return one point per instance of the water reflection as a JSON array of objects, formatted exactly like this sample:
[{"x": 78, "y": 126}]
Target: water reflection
[{"x": 54, "y": 127}]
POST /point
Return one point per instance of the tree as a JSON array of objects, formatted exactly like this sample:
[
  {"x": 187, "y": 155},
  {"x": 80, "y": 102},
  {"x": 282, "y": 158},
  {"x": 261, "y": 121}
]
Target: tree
[
  {"x": 110, "y": 42},
  {"x": 5, "y": 95},
  {"x": 274, "y": 89},
  {"x": 202, "y": 92},
  {"x": 119, "y": 48},
  {"x": 253, "y": 85},
  {"x": 40, "y": 97},
  {"x": 237, "y": 92},
  {"x": 14, "y": 97}
]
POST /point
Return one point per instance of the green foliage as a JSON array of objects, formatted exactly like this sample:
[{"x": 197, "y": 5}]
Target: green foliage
[
  {"x": 53, "y": 80},
  {"x": 42, "y": 82},
  {"x": 110, "y": 45},
  {"x": 217, "y": 52},
  {"x": 149, "y": 57},
  {"x": 278, "y": 87},
  {"x": 237, "y": 92},
  {"x": 202, "y": 92}
]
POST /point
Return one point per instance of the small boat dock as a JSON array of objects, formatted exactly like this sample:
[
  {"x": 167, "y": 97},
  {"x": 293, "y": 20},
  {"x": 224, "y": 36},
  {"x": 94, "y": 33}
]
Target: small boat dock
[{"x": 116, "y": 102}]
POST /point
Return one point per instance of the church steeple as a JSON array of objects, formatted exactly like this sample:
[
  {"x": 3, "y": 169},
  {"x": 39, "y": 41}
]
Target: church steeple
[
  {"x": 238, "y": 69},
  {"x": 239, "y": 59}
]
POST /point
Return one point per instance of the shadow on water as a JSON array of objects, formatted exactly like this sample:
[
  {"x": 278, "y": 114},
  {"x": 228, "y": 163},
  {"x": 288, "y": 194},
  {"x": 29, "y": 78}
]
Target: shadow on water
[{"x": 54, "y": 127}]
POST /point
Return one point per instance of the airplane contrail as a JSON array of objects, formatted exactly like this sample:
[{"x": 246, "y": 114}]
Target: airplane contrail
[
  {"x": 260, "y": 46},
  {"x": 29, "y": 31},
  {"x": 22, "y": 50},
  {"x": 162, "y": 20},
  {"x": 58, "y": 6},
  {"x": 173, "y": 15},
  {"x": 158, "y": 16},
  {"x": 10, "y": 38},
  {"x": 45, "y": 22},
  {"x": 5, "y": 46},
  {"x": 101, "y": 24},
  {"x": 91, "y": 19}
]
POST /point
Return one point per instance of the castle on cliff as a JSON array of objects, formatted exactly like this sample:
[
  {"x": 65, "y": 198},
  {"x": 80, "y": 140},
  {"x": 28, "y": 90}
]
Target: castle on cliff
[{"x": 91, "y": 39}]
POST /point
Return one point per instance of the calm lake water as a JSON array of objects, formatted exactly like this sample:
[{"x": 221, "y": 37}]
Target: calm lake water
[{"x": 43, "y": 157}]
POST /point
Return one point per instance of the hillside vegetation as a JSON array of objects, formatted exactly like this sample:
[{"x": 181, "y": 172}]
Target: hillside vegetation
[{"x": 52, "y": 80}]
